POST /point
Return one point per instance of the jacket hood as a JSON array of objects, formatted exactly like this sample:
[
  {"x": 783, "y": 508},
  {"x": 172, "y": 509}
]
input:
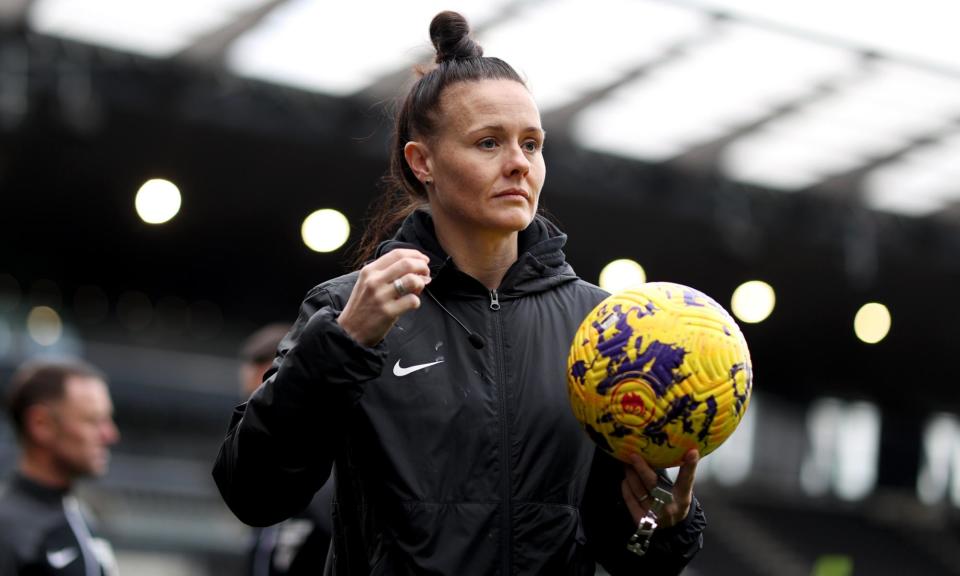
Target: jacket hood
[{"x": 541, "y": 263}]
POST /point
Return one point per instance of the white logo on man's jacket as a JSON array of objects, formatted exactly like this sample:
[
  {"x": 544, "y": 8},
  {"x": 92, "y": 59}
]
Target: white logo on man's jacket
[
  {"x": 401, "y": 371},
  {"x": 61, "y": 558}
]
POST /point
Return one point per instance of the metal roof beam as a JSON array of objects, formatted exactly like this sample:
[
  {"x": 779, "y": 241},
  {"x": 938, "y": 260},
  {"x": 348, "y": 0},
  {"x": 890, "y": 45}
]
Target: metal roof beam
[
  {"x": 851, "y": 182},
  {"x": 211, "y": 48},
  {"x": 559, "y": 120},
  {"x": 706, "y": 155},
  {"x": 13, "y": 13}
]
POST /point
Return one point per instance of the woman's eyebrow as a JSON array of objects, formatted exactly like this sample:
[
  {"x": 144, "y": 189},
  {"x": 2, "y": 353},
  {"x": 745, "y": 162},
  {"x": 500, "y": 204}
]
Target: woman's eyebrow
[{"x": 500, "y": 128}]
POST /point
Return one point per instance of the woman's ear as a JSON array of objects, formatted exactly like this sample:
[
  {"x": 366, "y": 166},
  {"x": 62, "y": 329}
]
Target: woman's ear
[{"x": 418, "y": 159}]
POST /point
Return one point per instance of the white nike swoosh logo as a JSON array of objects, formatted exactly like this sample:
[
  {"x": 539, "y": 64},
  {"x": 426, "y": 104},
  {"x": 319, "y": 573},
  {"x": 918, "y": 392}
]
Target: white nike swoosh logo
[
  {"x": 401, "y": 371},
  {"x": 60, "y": 558}
]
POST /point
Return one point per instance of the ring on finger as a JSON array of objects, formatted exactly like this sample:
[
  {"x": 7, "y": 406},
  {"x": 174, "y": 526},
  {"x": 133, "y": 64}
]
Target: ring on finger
[{"x": 399, "y": 287}]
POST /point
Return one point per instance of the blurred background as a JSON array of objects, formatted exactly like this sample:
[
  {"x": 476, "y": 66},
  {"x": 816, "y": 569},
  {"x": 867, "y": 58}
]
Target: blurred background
[{"x": 175, "y": 174}]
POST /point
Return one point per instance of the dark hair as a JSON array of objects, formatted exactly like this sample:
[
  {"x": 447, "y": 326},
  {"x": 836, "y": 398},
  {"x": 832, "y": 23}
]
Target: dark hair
[
  {"x": 41, "y": 381},
  {"x": 459, "y": 59},
  {"x": 261, "y": 346}
]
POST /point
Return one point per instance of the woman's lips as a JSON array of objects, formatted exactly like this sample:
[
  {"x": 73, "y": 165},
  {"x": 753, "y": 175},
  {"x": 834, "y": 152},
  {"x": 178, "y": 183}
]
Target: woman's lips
[{"x": 512, "y": 192}]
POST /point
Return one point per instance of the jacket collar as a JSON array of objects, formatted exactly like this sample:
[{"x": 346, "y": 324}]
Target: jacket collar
[
  {"x": 36, "y": 490},
  {"x": 541, "y": 263}
]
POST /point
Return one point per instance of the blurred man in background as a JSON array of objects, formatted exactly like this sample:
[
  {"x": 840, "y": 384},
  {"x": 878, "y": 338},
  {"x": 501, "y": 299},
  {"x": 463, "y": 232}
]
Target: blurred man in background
[
  {"x": 63, "y": 417},
  {"x": 297, "y": 546}
]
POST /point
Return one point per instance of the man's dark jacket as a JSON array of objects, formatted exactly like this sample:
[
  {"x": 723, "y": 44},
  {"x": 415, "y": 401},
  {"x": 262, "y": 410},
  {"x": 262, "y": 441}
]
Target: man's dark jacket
[
  {"x": 449, "y": 459},
  {"x": 43, "y": 532}
]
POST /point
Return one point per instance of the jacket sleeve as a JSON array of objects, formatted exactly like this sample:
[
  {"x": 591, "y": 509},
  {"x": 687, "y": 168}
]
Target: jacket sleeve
[
  {"x": 608, "y": 526},
  {"x": 281, "y": 443}
]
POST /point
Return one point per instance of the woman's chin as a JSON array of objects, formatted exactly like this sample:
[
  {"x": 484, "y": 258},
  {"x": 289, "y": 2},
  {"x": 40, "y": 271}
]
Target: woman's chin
[{"x": 515, "y": 221}]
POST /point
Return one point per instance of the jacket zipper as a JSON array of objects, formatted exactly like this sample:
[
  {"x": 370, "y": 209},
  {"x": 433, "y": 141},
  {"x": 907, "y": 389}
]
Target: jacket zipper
[{"x": 505, "y": 520}]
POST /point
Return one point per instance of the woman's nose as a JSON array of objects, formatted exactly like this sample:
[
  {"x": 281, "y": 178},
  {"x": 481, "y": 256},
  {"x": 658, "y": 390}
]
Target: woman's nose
[{"x": 517, "y": 162}]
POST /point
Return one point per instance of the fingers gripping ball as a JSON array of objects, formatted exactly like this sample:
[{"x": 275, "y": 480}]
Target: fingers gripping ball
[{"x": 658, "y": 370}]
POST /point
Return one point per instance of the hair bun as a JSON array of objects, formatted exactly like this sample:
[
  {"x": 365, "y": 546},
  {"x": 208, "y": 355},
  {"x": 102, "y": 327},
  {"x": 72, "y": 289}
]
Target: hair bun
[{"x": 450, "y": 35}]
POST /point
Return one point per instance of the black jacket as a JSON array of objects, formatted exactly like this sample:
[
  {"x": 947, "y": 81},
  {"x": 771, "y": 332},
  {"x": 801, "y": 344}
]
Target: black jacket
[
  {"x": 471, "y": 464},
  {"x": 297, "y": 546},
  {"x": 44, "y": 533}
]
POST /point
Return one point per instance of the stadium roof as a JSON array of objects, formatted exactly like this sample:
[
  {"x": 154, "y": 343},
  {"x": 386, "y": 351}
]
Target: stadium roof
[{"x": 857, "y": 98}]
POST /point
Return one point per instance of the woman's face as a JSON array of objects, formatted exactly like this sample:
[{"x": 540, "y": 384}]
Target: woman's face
[{"x": 486, "y": 159}]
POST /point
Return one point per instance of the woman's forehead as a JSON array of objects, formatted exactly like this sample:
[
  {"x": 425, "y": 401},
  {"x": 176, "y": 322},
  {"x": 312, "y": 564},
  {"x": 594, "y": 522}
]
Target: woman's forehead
[{"x": 474, "y": 104}]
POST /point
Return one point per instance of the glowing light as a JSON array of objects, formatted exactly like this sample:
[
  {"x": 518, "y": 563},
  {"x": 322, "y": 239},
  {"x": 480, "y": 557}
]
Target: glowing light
[
  {"x": 325, "y": 230},
  {"x": 872, "y": 322},
  {"x": 44, "y": 325},
  {"x": 858, "y": 449},
  {"x": 753, "y": 301},
  {"x": 843, "y": 449},
  {"x": 157, "y": 201},
  {"x": 621, "y": 274},
  {"x": 940, "y": 469}
]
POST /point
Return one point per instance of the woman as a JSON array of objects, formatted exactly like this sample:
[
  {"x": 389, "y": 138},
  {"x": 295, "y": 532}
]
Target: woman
[{"x": 434, "y": 377}]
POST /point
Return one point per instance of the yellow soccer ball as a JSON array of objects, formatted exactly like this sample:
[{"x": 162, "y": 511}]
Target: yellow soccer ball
[{"x": 657, "y": 370}]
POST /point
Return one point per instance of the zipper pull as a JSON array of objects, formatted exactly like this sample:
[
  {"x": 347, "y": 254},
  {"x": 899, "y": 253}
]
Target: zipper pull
[{"x": 494, "y": 300}]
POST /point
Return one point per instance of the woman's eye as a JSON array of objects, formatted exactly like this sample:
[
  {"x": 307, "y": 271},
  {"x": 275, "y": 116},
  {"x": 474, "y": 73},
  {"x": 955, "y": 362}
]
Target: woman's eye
[
  {"x": 488, "y": 143},
  {"x": 531, "y": 145}
]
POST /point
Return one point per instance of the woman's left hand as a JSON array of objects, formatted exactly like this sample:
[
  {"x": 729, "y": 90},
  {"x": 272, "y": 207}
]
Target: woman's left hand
[{"x": 641, "y": 479}]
